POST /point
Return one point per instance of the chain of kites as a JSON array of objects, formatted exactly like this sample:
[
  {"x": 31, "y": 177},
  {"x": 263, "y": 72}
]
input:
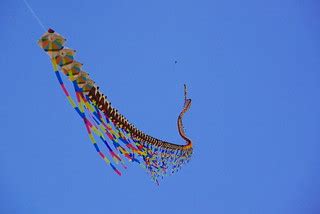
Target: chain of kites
[{"x": 105, "y": 124}]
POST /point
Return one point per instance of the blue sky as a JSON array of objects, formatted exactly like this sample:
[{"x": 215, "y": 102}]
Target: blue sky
[{"x": 252, "y": 68}]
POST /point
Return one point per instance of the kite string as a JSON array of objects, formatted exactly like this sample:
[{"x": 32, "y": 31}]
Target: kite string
[{"x": 34, "y": 14}]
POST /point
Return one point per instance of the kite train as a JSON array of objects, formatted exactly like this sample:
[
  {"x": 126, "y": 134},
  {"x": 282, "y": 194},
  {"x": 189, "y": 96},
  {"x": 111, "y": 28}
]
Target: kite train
[{"x": 106, "y": 125}]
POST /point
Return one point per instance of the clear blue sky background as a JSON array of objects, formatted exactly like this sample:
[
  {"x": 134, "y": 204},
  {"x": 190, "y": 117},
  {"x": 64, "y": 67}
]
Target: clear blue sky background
[{"x": 252, "y": 68}]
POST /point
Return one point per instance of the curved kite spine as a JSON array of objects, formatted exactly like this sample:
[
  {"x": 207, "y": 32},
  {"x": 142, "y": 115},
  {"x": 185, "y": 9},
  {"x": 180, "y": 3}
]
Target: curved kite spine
[{"x": 102, "y": 121}]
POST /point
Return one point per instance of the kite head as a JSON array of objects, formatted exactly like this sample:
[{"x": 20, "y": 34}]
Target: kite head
[{"x": 51, "y": 42}]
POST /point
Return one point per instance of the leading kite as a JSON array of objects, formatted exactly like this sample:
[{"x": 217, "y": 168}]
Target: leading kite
[{"x": 104, "y": 123}]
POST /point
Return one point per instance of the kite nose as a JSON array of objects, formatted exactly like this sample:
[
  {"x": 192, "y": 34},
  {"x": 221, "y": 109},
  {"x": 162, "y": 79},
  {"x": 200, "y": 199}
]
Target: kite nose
[{"x": 50, "y": 30}]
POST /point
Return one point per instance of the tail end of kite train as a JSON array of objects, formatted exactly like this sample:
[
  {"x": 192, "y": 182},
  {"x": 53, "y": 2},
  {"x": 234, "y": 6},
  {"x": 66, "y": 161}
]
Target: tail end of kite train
[{"x": 106, "y": 125}]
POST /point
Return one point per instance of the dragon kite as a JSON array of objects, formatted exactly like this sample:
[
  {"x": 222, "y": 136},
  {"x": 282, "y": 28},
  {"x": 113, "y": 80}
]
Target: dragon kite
[{"x": 105, "y": 124}]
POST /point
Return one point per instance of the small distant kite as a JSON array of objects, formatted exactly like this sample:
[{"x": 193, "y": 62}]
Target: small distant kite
[{"x": 122, "y": 139}]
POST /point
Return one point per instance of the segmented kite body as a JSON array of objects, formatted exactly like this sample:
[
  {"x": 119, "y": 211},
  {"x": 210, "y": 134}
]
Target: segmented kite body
[{"x": 106, "y": 123}]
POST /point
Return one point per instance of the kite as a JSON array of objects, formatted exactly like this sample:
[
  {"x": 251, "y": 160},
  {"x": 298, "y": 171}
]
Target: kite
[{"x": 106, "y": 126}]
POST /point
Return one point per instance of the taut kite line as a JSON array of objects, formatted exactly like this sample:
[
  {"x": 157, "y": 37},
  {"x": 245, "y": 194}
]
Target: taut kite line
[{"x": 121, "y": 138}]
